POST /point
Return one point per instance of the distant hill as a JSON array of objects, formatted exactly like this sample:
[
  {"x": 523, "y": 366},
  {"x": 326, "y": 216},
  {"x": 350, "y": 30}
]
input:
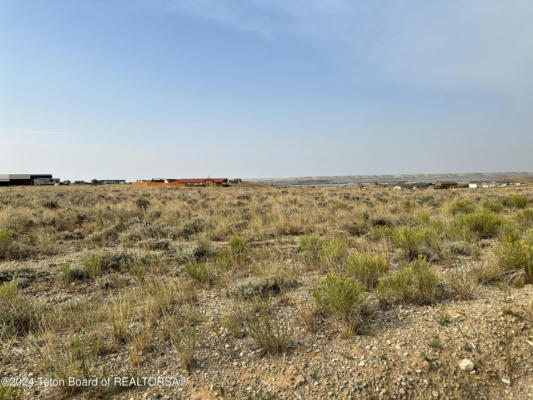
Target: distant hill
[{"x": 382, "y": 179}]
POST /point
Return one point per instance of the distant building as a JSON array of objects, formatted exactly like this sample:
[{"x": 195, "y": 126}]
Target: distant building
[
  {"x": 46, "y": 182},
  {"x": 4, "y": 180},
  {"x": 192, "y": 182},
  {"x": 26, "y": 179},
  {"x": 108, "y": 182},
  {"x": 19, "y": 179},
  {"x": 472, "y": 185}
]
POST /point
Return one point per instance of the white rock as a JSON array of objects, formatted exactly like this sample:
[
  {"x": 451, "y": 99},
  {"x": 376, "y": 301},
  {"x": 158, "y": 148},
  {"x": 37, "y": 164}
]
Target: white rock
[{"x": 466, "y": 365}]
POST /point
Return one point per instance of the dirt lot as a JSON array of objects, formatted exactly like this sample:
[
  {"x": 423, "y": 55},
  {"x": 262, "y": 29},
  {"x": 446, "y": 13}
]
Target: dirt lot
[{"x": 266, "y": 293}]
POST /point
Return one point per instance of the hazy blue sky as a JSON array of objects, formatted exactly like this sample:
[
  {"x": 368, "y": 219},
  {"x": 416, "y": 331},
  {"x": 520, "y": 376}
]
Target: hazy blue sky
[{"x": 265, "y": 88}]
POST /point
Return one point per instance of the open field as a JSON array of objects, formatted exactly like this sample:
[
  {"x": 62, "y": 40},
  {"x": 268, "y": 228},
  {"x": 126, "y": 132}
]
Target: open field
[{"x": 266, "y": 293}]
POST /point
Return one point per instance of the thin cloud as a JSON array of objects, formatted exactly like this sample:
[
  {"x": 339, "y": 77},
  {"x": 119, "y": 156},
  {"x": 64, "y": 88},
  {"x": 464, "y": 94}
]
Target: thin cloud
[
  {"x": 38, "y": 132},
  {"x": 452, "y": 44}
]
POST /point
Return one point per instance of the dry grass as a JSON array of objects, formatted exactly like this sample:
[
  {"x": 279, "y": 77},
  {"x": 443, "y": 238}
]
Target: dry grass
[{"x": 131, "y": 270}]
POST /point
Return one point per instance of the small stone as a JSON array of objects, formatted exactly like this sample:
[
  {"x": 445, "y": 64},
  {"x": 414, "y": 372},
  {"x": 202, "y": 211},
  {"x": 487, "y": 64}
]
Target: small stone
[
  {"x": 299, "y": 380},
  {"x": 466, "y": 365},
  {"x": 507, "y": 381}
]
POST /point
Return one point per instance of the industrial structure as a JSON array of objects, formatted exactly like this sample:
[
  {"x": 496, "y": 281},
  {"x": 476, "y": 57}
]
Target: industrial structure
[
  {"x": 108, "y": 182},
  {"x": 192, "y": 182},
  {"x": 28, "y": 179}
]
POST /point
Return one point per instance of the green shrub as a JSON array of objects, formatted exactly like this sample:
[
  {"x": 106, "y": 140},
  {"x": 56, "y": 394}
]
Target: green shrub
[
  {"x": 382, "y": 232},
  {"x": 339, "y": 205},
  {"x": 96, "y": 264},
  {"x": 234, "y": 256},
  {"x": 525, "y": 217},
  {"x": 457, "y": 231},
  {"x": 492, "y": 206},
  {"x": 12, "y": 249},
  {"x": 310, "y": 250},
  {"x": 93, "y": 264},
  {"x": 272, "y": 335},
  {"x": 239, "y": 250},
  {"x": 484, "y": 224},
  {"x": 185, "y": 345},
  {"x": 8, "y": 292},
  {"x": 18, "y": 316},
  {"x": 70, "y": 273},
  {"x": 327, "y": 254},
  {"x": 201, "y": 271},
  {"x": 6, "y": 237},
  {"x": 517, "y": 201},
  {"x": 10, "y": 393},
  {"x": 462, "y": 207},
  {"x": 234, "y": 323},
  {"x": 516, "y": 255},
  {"x": 410, "y": 240},
  {"x": 418, "y": 283},
  {"x": 510, "y": 231},
  {"x": 366, "y": 268},
  {"x": 421, "y": 218},
  {"x": 340, "y": 295},
  {"x": 333, "y": 253}
]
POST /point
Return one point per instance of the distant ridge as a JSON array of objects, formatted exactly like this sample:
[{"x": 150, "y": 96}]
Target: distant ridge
[{"x": 429, "y": 178}]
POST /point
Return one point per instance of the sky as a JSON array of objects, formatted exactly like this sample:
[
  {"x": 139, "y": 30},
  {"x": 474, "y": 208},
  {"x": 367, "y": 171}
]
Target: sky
[{"x": 265, "y": 88}]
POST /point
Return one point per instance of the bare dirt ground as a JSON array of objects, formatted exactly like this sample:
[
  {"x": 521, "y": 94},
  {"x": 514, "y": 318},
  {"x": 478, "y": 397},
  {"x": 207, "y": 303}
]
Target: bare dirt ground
[{"x": 266, "y": 293}]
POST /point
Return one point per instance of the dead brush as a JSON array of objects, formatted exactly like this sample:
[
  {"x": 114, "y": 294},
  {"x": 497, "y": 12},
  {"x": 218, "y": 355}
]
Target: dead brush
[
  {"x": 59, "y": 359},
  {"x": 271, "y": 334},
  {"x": 234, "y": 322},
  {"x": 158, "y": 296},
  {"x": 120, "y": 316},
  {"x": 18, "y": 316},
  {"x": 140, "y": 344},
  {"x": 462, "y": 283},
  {"x": 309, "y": 315},
  {"x": 185, "y": 345},
  {"x": 73, "y": 316}
]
